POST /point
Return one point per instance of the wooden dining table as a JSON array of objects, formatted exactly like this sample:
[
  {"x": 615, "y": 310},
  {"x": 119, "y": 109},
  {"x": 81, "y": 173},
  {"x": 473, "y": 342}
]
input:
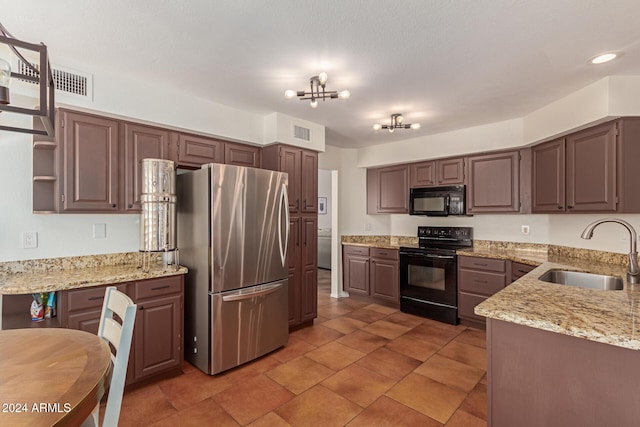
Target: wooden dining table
[{"x": 51, "y": 376}]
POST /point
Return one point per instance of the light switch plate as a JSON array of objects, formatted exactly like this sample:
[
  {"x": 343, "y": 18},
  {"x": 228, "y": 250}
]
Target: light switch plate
[{"x": 99, "y": 231}]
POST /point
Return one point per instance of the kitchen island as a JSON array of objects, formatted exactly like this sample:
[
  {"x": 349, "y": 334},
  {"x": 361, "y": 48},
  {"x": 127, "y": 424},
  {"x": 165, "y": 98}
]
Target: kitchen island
[{"x": 561, "y": 355}]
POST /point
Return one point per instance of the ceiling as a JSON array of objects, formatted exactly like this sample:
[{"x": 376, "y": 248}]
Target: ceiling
[{"x": 445, "y": 64}]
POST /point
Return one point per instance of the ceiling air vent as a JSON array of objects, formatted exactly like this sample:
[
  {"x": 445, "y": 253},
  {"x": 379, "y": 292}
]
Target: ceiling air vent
[
  {"x": 66, "y": 81},
  {"x": 301, "y": 133}
]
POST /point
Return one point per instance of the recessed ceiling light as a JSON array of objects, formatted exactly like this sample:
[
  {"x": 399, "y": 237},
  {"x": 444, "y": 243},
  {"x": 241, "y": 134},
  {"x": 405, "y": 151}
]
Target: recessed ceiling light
[{"x": 605, "y": 57}]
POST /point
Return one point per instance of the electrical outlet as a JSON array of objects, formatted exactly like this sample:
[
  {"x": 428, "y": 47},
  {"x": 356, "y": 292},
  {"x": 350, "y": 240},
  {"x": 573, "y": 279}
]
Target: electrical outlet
[
  {"x": 367, "y": 226},
  {"x": 525, "y": 229},
  {"x": 29, "y": 239},
  {"x": 99, "y": 231}
]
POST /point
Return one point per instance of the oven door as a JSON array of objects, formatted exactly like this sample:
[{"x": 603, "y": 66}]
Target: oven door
[{"x": 428, "y": 285}]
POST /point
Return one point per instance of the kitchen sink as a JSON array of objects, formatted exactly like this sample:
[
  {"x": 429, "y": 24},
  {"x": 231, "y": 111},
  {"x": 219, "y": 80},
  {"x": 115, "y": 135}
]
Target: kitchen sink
[{"x": 583, "y": 280}]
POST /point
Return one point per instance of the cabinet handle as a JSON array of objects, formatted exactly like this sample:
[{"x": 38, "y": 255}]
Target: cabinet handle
[
  {"x": 559, "y": 206},
  {"x": 96, "y": 298},
  {"x": 130, "y": 206},
  {"x": 304, "y": 204},
  {"x": 480, "y": 264},
  {"x": 140, "y": 307},
  {"x": 114, "y": 205},
  {"x": 480, "y": 281},
  {"x": 297, "y": 204},
  {"x": 570, "y": 207},
  {"x": 160, "y": 287}
]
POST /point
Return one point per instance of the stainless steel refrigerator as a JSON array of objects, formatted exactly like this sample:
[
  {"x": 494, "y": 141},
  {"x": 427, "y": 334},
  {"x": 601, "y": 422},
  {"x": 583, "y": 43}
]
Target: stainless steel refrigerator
[{"x": 233, "y": 230}]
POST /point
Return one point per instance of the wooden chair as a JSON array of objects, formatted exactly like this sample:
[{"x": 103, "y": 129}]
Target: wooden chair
[{"x": 119, "y": 335}]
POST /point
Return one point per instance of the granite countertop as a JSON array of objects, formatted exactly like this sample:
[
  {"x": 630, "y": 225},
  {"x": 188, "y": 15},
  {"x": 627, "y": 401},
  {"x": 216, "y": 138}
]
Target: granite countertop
[
  {"x": 609, "y": 317},
  {"x": 58, "y": 274},
  {"x": 382, "y": 242}
]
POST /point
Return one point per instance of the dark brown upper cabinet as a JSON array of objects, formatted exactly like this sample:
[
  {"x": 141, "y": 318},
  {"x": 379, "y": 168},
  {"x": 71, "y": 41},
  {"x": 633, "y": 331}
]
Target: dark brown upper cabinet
[
  {"x": 450, "y": 171},
  {"x": 140, "y": 142},
  {"x": 241, "y": 155},
  {"x": 302, "y": 167},
  {"x": 192, "y": 151},
  {"x": 90, "y": 169},
  {"x": 494, "y": 183},
  {"x": 548, "y": 181},
  {"x": 593, "y": 170},
  {"x": 437, "y": 172},
  {"x": 388, "y": 190}
]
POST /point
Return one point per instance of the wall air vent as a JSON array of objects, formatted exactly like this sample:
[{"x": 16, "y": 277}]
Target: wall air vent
[
  {"x": 301, "y": 133},
  {"x": 67, "y": 81}
]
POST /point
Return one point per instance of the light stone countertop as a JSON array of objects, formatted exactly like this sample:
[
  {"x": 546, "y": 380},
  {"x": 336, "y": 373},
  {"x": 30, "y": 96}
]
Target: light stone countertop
[
  {"x": 58, "y": 274},
  {"x": 609, "y": 317}
]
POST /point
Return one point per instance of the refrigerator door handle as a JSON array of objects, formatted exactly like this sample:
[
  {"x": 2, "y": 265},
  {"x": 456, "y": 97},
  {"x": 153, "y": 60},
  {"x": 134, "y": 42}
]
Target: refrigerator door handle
[
  {"x": 284, "y": 199},
  {"x": 248, "y": 295}
]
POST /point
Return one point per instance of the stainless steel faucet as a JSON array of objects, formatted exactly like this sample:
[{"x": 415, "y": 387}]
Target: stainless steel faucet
[{"x": 633, "y": 271}]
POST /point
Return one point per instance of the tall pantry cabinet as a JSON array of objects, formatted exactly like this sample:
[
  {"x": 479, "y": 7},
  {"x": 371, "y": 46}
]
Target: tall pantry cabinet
[{"x": 302, "y": 167}]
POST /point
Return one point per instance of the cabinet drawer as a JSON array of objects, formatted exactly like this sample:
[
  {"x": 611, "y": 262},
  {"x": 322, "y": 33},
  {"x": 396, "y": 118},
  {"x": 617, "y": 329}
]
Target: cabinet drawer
[
  {"x": 467, "y": 303},
  {"x": 518, "y": 270},
  {"x": 356, "y": 250},
  {"x": 486, "y": 264},
  {"x": 156, "y": 287},
  {"x": 391, "y": 254},
  {"x": 82, "y": 299},
  {"x": 480, "y": 282}
]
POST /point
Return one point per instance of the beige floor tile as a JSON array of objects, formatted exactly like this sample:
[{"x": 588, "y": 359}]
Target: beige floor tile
[
  {"x": 474, "y": 337},
  {"x": 270, "y": 420},
  {"x": 189, "y": 389},
  {"x": 316, "y": 335},
  {"x": 430, "y": 332},
  {"x": 368, "y": 316},
  {"x": 345, "y": 324},
  {"x": 145, "y": 406},
  {"x": 463, "y": 419},
  {"x": 381, "y": 309},
  {"x": 476, "y": 402},
  {"x": 199, "y": 414},
  {"x": 294, "y": 348},
  {"x": 405, "y": 319}
]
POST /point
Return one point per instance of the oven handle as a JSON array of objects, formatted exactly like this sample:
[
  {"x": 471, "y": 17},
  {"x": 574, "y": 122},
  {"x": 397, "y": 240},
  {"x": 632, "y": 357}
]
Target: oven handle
[{"x": 429, "y": 255}]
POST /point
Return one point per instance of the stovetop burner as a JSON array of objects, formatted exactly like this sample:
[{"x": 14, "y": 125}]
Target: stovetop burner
[{"x": 439, "y": 239}]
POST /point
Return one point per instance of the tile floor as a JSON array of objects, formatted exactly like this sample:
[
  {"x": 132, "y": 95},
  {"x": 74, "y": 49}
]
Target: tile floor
[{"x": 358, "y": 365}]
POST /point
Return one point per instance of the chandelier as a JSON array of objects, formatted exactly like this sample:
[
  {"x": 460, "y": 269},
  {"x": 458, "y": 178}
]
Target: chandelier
[
  {"x": 396, "y": 123},
  {"x": 40, "y": 74},
  {"x": 317, "y": 91}
]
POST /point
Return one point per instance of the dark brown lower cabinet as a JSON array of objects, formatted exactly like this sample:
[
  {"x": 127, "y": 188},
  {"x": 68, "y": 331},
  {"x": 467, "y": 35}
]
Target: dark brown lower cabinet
[
  {"x": 157, "y": 338},
  {"x": 478, "y": 279},
  {"x": 303, "y": 270},
  {"x": 372, "y": 272},
  {"x": 541, "y": 378}
]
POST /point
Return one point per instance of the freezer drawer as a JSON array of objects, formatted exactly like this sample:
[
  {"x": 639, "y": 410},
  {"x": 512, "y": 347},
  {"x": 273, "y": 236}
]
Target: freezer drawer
[{"x": 247, "y": 323}]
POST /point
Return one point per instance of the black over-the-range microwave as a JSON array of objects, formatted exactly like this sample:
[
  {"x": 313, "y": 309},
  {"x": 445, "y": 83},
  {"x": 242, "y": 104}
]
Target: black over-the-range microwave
[{"x": 437, "y": 201}]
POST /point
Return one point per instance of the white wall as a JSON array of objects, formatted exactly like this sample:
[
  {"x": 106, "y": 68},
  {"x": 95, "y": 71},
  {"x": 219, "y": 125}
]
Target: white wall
[
  {"x": 324, "y": 190},
  {"x": 278, "y": 127}
]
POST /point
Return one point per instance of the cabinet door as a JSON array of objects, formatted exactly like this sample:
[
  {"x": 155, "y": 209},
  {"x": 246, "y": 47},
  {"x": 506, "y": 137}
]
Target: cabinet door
[
  {"x": 290, "y": 163},
  {"x": 548, "y": 177},
  {"x": 195, "y": 151},
  {"x": 140, "y": 142},
  {"x": 157, "y": 335},
  {"x": 87, "y": 321},
  {"x": 591, "y": 169},
  {"x": 422, "y": 174},
  {"x": 384, "y": 279},
  {"x": 388, "y": 190},
  {"x": 241, "y": 155},
  {"x": 494, "y": 183},
  {"x": 309, "y": 182},
  {"x": 294, "y": 274},
  {"x": 450, "y": 171},
  {"x": 309, "y": 257},
  {"x": 356, "y": 274},
  {"x": 90, "y": 164}
]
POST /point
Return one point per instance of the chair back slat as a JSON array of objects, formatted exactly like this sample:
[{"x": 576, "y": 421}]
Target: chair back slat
[{"x": 120, "y": 336}]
